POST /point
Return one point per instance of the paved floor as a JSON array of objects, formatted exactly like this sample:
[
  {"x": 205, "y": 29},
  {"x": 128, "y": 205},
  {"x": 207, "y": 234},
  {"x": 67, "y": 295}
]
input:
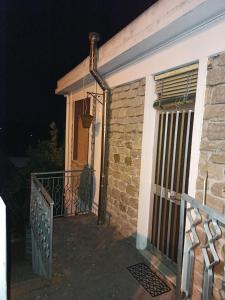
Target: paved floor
[{"x": 89, "y": 262}]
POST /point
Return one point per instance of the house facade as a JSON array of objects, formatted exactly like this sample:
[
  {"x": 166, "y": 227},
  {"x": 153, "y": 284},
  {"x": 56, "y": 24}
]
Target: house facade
[{"x": 166, "y": 123}]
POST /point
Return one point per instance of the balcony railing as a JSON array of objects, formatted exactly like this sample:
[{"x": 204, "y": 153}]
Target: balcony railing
[
  {"x": 54, "y": 194},
  {"x": 198, "y": 221}
]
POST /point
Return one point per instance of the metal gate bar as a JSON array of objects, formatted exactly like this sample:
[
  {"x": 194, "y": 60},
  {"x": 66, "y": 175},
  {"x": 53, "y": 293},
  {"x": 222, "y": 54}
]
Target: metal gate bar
[
  {"x": 176, "y": 208},
  {"x": 213, "y": 223},
  {"x": 171, "y": 185},
  {"x": 167, "y": 181},
  {"x": 171, "y": 178},
  {"x": 162, "y": 178},
  {"x": 157, "y": 175}
]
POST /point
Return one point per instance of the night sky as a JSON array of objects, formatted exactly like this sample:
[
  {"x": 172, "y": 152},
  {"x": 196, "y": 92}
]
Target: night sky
[{"x": 41, "y": 40}]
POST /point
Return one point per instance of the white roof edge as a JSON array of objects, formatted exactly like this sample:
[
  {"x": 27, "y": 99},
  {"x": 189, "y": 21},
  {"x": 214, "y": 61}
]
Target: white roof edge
[{"x": 162, "y": 22}]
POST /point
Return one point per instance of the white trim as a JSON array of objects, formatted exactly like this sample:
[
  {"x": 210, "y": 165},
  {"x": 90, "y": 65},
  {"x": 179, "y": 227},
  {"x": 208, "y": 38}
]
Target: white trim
[
  {"x": 67, "y": 133},
  {"x": 3, "y": 260},
  {"x": 147, "y": 164},
  {"x": 70, "y": 148},
  {"x": 197, "y": 126}
]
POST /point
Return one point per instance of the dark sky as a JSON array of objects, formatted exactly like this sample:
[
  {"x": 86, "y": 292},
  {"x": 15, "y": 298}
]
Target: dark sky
[{"x": 41, "y": 40}]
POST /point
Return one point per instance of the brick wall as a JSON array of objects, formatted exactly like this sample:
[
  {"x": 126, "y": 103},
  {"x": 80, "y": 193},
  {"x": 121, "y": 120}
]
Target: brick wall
[
  {"x": 212, "y": 160},
  {"x": 125, "y": 138}
]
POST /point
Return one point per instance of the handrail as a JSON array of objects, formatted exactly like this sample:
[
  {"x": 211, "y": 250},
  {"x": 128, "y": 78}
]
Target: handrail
[
  {"x": 41, "y": 220},
  {"x": 42, "y": 190},
  {"x": 56, "y": 172}
]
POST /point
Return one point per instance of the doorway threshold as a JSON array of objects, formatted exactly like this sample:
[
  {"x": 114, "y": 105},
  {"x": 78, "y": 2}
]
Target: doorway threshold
[{"x": 167, "y": 271}]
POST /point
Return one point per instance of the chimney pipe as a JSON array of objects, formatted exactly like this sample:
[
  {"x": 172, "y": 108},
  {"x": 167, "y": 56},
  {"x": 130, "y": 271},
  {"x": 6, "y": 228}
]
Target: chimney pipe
[{"x": 94, "y": 38}]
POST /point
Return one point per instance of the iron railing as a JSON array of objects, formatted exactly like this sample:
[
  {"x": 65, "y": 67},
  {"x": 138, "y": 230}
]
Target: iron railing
[
  {"x": 64, "y": 189},
  {"x": 41, "y": 221},
  {"x": 55, "y": 194},
  {"x": 197, "y": 219}
]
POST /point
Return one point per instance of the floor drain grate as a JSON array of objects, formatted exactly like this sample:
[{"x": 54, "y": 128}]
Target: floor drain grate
[{"x": 148, "y": 279}]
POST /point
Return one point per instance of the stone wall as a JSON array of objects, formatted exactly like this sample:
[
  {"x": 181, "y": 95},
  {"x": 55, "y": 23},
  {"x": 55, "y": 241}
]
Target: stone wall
[
  {"x": 125, "y": 138},
  {"x": 212, "y": 160}
]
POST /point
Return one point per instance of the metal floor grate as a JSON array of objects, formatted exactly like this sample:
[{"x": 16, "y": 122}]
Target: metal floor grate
[{"x": 151, "y": 282}]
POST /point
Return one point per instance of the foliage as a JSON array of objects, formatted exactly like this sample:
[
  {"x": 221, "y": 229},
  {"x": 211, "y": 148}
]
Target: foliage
[
  {"x": 48, "y": 155},
  {"x": 11, "y": 192}
]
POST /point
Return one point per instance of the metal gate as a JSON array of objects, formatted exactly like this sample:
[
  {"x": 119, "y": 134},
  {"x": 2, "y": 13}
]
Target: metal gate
[{"x": 171, "y": 178}]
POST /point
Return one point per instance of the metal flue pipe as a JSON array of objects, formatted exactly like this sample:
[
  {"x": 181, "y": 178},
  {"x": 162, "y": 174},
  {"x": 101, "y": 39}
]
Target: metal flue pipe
[{"x": 94, "y": 38}]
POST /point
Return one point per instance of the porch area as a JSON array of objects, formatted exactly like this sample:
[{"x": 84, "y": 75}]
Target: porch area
[{"x": 88, "y": 262}]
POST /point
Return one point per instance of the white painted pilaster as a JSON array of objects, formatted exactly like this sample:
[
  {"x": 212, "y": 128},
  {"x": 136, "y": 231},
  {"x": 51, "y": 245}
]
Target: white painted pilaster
[
  {"x": 197, "y": 126},
  {"x": 147, "y": 164}
]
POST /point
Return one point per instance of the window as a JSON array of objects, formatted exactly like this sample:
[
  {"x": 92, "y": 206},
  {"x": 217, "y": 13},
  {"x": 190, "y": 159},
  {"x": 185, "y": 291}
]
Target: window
[{"x": 177, "y": 87}]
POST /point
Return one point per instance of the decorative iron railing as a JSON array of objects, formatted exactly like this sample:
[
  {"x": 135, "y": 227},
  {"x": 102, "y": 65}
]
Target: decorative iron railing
[
  {"x": 201, "y": 230},
  {"x": 41, "y": 221},
  {"x": 54, "y": 194},
  {"x": 64, "y": 187}
]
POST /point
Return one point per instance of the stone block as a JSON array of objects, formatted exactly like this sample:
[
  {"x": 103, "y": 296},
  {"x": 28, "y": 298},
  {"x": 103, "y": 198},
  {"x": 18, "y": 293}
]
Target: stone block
[
  {"x": 216, "y": 111},
  {"x": 208, "y": 146},
  {"x": 132, "y": 212},
  {"x": 123, "y": 94},
  {"x": 126, "y": 87},
  {"x": 129, "y": 145},
  {"x": 141, "y": 91},
  {"x": 117, "y": 89},
  {"x": 216, "y": 171},
  {"x": 116, "y": 158},
  {"x": 215, "y": 203},
  {"x": 208, "y": 95},
  {"x": 216, "y": 131},
  {"x": 116, "y": 104},
  {"x": 202, "y": 168},
  {"x": 216, "y": 76},
  {"x": 131, "y": 190},
  {"x": 199, "y": 183},
  {"x": 114, "y": 97},
  {"x": 123, "y": 207},
  {"x": 133, "y": 202},
  {"x": 220, "y": 60},
  {"x": 218, "y": 94},
  {"x": 138, "y": 101},
  {"x": 142, "y": 81},
  {"x": 128, "y": 161},
  {"x": 218, "y": 189},
  {"x": 218, "y": 158},
  {"x": 135, "y": 85}
]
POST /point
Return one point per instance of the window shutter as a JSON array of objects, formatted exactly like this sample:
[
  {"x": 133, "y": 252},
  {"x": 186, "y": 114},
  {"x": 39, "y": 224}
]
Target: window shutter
[{"x": 177, "y": 87}]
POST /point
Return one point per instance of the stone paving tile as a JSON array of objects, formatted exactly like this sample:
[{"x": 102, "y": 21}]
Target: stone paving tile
[{"x": 89, "y": 262}]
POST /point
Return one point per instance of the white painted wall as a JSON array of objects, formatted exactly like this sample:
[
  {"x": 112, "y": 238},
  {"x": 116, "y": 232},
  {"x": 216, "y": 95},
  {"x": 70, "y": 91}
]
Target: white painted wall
[{"x": 3, "y": 252}]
